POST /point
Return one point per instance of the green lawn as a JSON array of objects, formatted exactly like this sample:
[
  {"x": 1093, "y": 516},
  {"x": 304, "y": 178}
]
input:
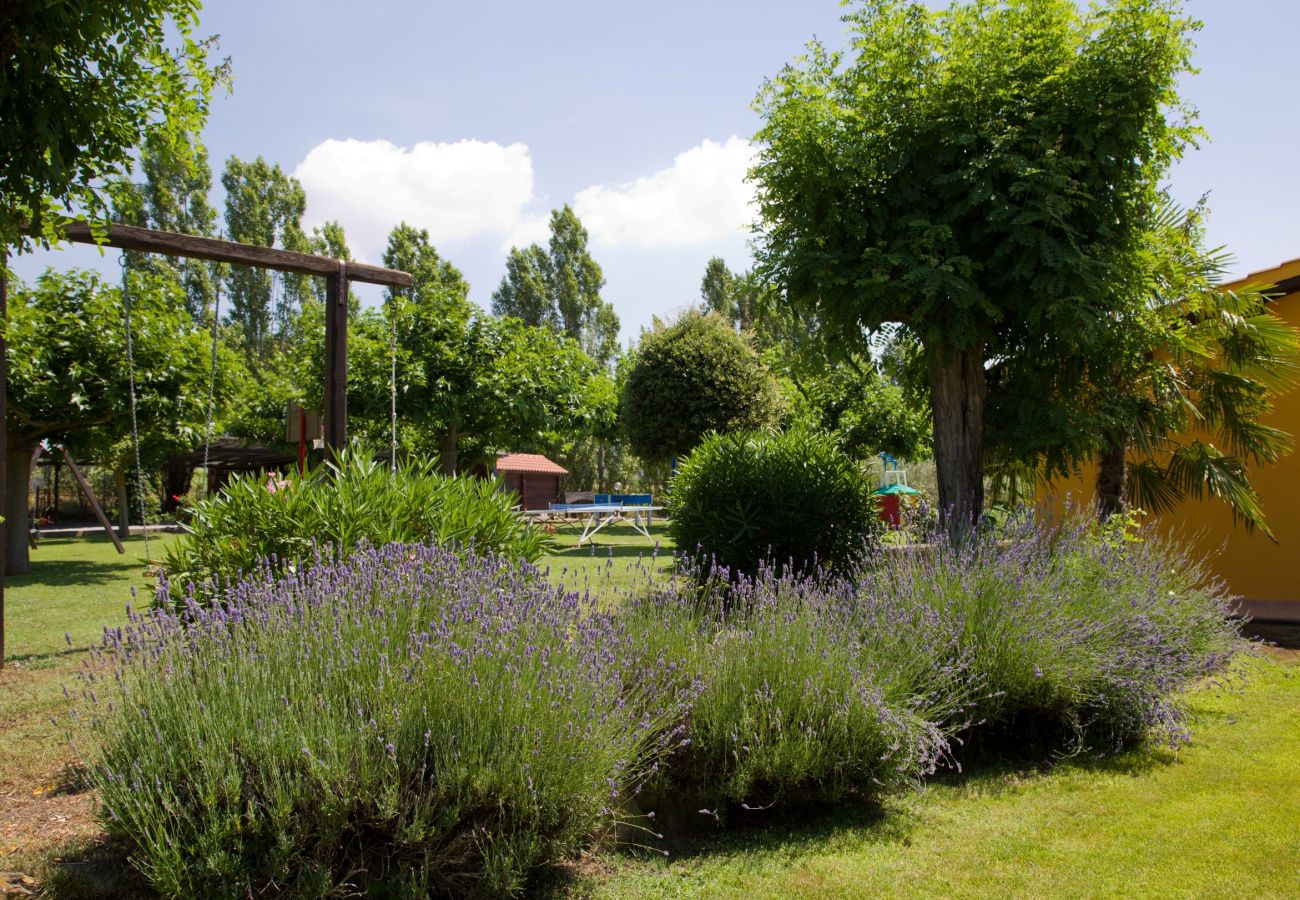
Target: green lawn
[
  {"x": 76, "y": 586},
  {"x": 619, "y": 559},
  {"x": 1219, "y": 819}
]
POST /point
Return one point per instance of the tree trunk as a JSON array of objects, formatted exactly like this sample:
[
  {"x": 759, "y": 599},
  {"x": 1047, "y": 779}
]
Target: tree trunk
[
  {"x": 447, "y": 451},
  {"x": 1112, "y": 478},
  {"x": 123, "y": 504},
  {"x": 958, "y": 390},
  {"x": 18, "y": 474}
]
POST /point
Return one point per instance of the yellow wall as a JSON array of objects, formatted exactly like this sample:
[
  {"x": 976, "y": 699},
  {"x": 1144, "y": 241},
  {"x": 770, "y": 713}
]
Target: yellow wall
[{"x": 1252, "y": 565}]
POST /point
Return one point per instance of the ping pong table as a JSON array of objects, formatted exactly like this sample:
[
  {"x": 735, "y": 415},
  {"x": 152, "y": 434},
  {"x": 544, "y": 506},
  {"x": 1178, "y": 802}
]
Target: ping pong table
[{"x": 596, "y": 516}]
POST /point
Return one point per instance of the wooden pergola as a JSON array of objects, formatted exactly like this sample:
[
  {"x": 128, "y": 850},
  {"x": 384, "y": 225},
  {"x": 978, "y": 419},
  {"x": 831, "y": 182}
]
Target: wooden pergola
[{"x": 338, "y": 275}]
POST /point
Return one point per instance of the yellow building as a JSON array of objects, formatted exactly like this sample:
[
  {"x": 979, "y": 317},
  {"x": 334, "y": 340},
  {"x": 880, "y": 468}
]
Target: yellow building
[{"x": 1265, "y": 574}]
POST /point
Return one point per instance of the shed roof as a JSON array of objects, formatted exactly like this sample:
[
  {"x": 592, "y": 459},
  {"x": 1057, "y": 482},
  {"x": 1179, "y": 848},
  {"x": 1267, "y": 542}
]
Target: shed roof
[{"x": 530, "y": 464}]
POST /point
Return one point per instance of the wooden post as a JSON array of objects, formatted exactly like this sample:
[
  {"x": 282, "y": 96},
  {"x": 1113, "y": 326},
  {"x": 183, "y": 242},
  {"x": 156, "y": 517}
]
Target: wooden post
[
  {"x": 94, "y": 503},
  {"x": 336, "y": 359},
  {"x": 4, "y": 428}
]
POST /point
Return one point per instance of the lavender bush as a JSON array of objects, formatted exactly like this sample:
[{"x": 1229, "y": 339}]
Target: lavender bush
[
  {"x": 404, "y": 722},
  {"x": 804, "y": 688},
  {"x": 411, "y": 721},
  {"x": 1081, "y": 634}
]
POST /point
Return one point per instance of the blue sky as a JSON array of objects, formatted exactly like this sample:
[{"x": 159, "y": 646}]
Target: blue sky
[{"x": 474, "y": 120}]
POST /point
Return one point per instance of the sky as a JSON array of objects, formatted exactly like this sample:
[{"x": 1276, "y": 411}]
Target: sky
[{"x": 474, "y": 120}]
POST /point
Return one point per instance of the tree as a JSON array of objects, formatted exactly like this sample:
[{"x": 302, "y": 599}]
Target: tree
[
  {"x": 173, "y": 197},
  {"x": 559, "y": 288},
  {"x": 82, "y": 85},
  {"x": 688, "y": 379},
  {"x": 68, "y": 379},
  {"x": 468, "y": 384},
  {"x": 956, "y": 172},
  {"x": 264, "y": 207},
  {"x": 1181, "y": 411},
  {"x": 732, "y": 296}
]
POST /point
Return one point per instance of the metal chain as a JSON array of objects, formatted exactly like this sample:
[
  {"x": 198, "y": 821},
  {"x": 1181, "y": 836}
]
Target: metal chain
[
  {"x": 212, "y": 379},
  {"x": 392, "y": 378},
  {"x": 135, "y": 422}
]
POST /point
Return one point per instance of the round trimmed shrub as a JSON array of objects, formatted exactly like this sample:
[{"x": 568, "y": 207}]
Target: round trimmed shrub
[
  {"x": 693, "y": 377},
  {"x": 790, "y": 497}
]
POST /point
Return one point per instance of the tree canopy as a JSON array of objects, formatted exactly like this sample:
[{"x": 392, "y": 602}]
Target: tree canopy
[
  {"x": 68, "y": 377},
  {"x": 983, "y": 175},
  {"x": 82, "y": 85},
  {"x": 559, "y": 288}
]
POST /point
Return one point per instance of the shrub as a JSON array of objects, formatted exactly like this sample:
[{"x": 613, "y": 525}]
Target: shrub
[
  {"x": 787, "y": 496},
  {"x": 804, "y": 690},
  {"x": 1081, "y": 634},
  {"x": 402, "y": 723},
  {"x": 345, "y": 504},
  {"x": 688, "y": 379}
]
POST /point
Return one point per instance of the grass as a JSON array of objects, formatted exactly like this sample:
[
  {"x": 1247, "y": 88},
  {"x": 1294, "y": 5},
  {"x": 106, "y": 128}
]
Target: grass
[
  {"x": 617, "y": 559},
  {"x": 76, "y": 587},
  {"x": 1216, "y": 820}
]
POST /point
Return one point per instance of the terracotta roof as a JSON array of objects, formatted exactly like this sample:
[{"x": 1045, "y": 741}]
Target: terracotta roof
[{"x": 532, "y": 463}]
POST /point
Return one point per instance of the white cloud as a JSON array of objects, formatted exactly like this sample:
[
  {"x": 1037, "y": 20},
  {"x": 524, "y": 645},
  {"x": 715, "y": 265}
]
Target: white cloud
[
  {"x": 530, "y": 229},
  {"x": 457, "y": 191},
  {"x": 700, "y": 199}
]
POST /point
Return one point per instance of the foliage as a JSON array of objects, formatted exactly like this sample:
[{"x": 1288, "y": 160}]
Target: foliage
[
  {"x": 688, "y": 379},
  {"x": 82, "y": 85},
  {"x": 173, "y": 197},
  {"x": 68, "y": 379},
  {"x": 728, "y": 294},
  {"x": 291, "y": 522},
  {"x": 805, "y": 692},
  {"x": 469, "y": 385},
  {"x": 264, "y": 207},
  {"x": 791, "y": 497},
  {"x": 1080, "y": 635},
  {"x": 559, "y": 288},
  {"x": 442, "y": 726},
  {"x": 954, "y": 172}
]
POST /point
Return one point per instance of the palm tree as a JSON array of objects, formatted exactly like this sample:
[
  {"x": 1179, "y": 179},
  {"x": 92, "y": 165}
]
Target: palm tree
[{"x": 1189, "y": 402}]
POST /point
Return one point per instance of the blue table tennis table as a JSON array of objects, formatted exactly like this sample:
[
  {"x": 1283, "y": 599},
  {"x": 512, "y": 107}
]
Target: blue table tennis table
[{"x": 596, "y": 516}]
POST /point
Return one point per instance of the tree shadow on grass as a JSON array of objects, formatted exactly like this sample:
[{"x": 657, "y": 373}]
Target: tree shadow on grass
[{"x": 63, "y": 572}]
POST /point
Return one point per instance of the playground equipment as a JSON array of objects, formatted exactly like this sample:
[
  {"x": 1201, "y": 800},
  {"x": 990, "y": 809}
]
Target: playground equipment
[{"x": 336, "y": 272}]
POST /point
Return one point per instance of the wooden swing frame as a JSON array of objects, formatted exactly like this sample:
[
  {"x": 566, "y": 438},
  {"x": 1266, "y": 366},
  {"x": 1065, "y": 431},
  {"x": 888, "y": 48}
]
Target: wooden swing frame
[{"x": 338, "y": 275}]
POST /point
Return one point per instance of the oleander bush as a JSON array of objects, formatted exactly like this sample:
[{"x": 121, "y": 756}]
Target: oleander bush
[
  {"x": 284, "y": 522},
  {"x": 405, "y": 722},
  {"x": 787, "y": 497}
]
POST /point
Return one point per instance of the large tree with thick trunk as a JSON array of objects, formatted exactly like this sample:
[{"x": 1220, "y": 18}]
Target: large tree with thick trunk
[{"x": 977, "y": 174}]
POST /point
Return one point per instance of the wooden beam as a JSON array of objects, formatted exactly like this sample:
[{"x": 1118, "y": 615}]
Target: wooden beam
[
  {"x": 94, "y": 503},
  {"x": 336, "y": 359},
  {"x": 147, "y": 240}
]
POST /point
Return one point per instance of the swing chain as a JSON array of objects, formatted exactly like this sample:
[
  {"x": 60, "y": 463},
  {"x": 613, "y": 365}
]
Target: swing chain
[
  {"x": 212, "y": 377},
  {"x": 135, "y": 422},
  {"x": 392, "y": 379}
]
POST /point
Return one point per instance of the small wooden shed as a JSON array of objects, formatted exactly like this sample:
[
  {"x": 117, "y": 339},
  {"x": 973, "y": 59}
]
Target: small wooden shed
[{"x": 533, "y": 477}]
